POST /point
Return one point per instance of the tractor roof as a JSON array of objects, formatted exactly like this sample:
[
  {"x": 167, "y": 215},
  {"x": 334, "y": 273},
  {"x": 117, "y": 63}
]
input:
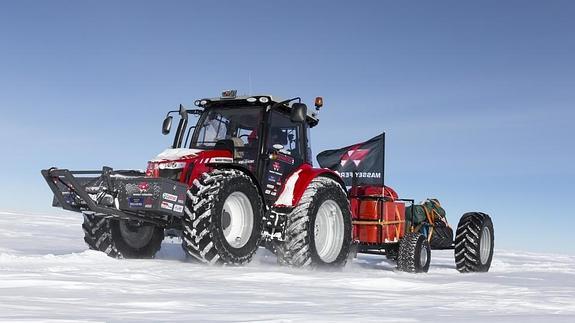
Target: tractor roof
[{"x": 247, "y": 100}]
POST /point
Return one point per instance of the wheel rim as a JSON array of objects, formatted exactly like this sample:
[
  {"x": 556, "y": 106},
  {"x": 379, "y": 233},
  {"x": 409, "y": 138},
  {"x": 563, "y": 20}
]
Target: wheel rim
[
  {"x": 329, "y": 231},
  {"x": 136, "y": 235},
  {"x": 485, "y": 245},
  {"x": 237, "y": 219},
  {"x": 423, "y": 255}
]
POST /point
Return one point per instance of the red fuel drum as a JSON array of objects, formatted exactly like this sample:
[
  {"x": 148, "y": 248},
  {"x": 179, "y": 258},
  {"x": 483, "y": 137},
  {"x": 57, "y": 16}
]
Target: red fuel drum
[{"x": 377, "y": 219}]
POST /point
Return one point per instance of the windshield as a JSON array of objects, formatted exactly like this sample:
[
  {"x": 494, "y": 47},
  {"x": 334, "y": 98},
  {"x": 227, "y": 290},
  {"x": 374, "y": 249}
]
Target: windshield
[{"x": 239, "y": 124}]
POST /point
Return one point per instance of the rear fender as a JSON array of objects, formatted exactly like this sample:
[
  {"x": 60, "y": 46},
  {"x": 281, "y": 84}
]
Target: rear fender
[{"x": 299, "y": 180}]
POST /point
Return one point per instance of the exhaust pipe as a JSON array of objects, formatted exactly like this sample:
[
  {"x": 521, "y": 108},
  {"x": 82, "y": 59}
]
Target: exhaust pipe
[{"x": 181, "y": 127}]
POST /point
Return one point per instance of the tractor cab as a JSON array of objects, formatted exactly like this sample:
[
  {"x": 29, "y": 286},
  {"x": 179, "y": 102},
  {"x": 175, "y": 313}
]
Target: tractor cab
[{"x": 261, "y": 134}]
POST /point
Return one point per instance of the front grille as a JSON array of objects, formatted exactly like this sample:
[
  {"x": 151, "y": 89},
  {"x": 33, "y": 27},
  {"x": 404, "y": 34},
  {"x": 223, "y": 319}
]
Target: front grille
[{"x": 173, "y": 174}]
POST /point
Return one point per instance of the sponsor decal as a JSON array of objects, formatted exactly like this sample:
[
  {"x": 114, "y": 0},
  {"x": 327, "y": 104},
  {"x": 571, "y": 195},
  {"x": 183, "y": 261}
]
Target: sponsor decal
[
  {"x": 276, "y": 173},
  {"x": 178, "y": 208},
  {"x": 221, "y": 160},
  {"x": 247, "y": 161},
  {"x": 273, "y": 179},
  {"x": 274, "y": 193},
  {"x": 359, "y": 174},
  {"x": 172, "y": 165},
  {"x": 276, "y": 166},
  {"x": 148, "y": 202},
  {"x": 169, "y": 197},
  {"x": 167, "y": 205},
  {"x": 143, "y": 194},
  {"x": 285, "y": 159},
  {"x": 270, "y": 186},
  {"x": 136, "y": 201}
]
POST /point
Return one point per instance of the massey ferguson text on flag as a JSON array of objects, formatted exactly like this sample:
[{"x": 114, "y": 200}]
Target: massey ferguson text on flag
[{"x": 364, "y": 161}]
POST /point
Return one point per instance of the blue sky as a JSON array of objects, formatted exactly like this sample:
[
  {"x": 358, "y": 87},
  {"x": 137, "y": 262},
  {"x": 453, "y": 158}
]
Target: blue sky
[{"x": 477, "y": 98}]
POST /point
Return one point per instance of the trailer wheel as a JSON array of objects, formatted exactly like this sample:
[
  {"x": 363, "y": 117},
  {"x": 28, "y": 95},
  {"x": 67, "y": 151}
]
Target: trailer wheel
[
  {"x": 414, "y": 253},
  {"x": 122, "y": 239},
  {"x": 474, "y": 243},
  {"x": 318, "y": 230},
  {"x": 392, "y": 252},
  {"x": 223, "y": 218}
]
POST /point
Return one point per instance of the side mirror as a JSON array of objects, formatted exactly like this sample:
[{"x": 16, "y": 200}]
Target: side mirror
[
  {"x": 298, "y": 112},
  {"x": 167, "y": 125}
]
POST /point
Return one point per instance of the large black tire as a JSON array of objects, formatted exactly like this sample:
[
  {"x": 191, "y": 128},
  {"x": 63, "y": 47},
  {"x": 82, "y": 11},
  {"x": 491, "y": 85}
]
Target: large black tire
[
  {"x": 392, "y": 252},
  {"x": 122, "y": 239},
  {"x": 97, "y": 235},
  {"x": 414, "y": 253},
  {"x": 207, "y": 222},
  {"x": 299, "y": 248},
  {"x": 136, "y": 240},
  {"x": 474, "y": 241}
]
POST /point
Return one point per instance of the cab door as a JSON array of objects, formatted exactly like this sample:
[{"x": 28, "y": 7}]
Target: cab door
[{"x": 286, "y": 151}]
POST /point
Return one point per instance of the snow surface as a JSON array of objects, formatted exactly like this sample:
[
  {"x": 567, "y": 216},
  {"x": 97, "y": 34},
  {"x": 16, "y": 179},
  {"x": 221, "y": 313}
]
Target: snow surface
[{"x": 46, "y": 274}]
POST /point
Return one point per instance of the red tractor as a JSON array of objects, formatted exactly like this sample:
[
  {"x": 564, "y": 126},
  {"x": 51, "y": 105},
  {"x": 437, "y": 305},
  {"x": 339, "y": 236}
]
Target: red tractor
[{"x": 241, "y": 178}]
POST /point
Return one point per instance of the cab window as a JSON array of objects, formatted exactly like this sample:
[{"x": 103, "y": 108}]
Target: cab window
[{"x": 284, "y": 132}]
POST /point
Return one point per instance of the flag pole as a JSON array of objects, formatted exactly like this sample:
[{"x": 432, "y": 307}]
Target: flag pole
[{"x": 383, "y": 168}]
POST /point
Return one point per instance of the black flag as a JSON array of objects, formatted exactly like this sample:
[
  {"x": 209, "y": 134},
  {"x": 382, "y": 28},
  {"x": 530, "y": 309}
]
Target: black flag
[{"x": 364, "y": 160}]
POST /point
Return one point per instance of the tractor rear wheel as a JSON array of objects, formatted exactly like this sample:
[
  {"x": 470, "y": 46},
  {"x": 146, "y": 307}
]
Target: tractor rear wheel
[
  {"x": 414, "y": 253},
  {"x": 223, "y": 218},
  {"x": 318, "y": 230},
  {"x": 122, "y": 238},
  {"x": 474, "y": 242}
]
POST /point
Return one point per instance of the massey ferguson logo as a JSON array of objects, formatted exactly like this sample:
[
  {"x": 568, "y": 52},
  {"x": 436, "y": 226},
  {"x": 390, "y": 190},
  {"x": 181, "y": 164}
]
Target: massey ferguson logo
[
  {"x": 144, "y": 187},
  {"x": 355, "y": 155}
]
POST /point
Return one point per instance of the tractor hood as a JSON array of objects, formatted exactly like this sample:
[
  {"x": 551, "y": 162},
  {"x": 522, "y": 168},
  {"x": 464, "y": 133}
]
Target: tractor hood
[
  {"x": 171, "y": 162},
  {"x": 176, "y": 154}
]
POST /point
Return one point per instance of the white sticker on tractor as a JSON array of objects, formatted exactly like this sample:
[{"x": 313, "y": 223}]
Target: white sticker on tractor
[
  {"x": 178, "y": 208},
  {"x": 225, "y": 160},
  {"x": 167, "y": 205},
  {"x": 169, "y": 197}
]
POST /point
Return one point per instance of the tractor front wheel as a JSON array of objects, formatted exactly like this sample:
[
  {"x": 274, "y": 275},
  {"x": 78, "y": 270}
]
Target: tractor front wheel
[
  {"x": 135, "y": 239},
  {"x": 223, "y": 218}
]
